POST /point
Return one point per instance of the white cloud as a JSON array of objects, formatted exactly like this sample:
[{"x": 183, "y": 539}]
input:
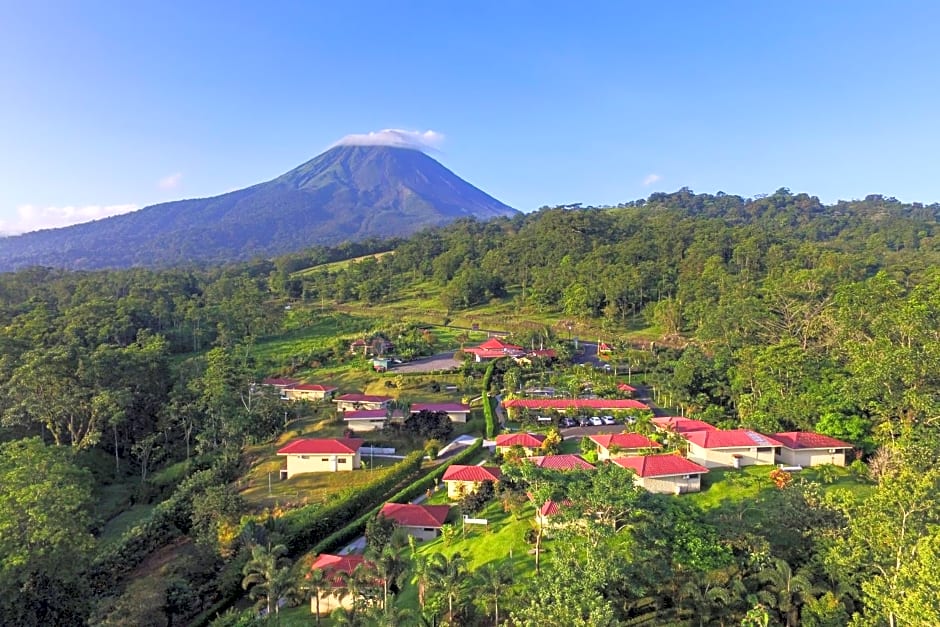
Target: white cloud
[
  {"x": 171, "y": 181},
  {"x": 428, "y": 140},
  {"x": 649, "y": 179},
  {"x": 33, "y": 218}
]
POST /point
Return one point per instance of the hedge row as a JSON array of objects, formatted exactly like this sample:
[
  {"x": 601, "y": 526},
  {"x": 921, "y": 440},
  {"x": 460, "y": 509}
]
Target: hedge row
[
  {"x": 168, "y": 520},
  {"x": 487, "y": 402},
  {"x": 356, "y": 528},
  {"x": 307, "y": 526}
]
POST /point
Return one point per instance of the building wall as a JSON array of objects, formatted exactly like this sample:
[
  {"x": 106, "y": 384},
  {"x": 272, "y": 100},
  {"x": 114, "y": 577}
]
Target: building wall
[
  {"x": 297, "y": 464},
  {"x": 671, "y": 485},
  {"x": 353, "y": 406},
  {"x": 811, "y": 457},
  {"x": 364, "y": 425},
  {"x": 304, "y": 395},
  {"x": 725, "y": 458},
  {"x": 328, "y": 603},
  {"x": 457, "y": 489},
  {"x": 422, "y": 533},
  {"x": 458, "y": 417}
]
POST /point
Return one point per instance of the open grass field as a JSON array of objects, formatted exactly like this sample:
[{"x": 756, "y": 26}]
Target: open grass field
[{"x": 336, "y": 265}]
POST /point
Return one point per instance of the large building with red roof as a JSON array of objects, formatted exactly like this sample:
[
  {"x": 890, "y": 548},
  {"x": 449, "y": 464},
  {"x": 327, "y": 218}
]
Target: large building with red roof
[
  {"x": 731, "y": 449},
  {"x": 610, "y": 445},
  {"x": 320, "y": 455},
  {"x": 423, "y": 522},
  {"x": 514, "y": 406},
  {"x": 803, "y": 448},
  {"x": 461, "y": 480},
  {"x": 494, "y": 348},
  {"x": 666, "y": 474}
]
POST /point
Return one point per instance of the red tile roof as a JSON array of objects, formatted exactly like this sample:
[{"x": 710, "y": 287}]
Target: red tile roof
[
  {"x": 809, "y": 440},
  {"x": 525, "y": 440},
  {"x": 568, "y": 461},
  {"x": 495, "y": 343},
  {"x": 409, "y": 515},
  {"x": 624, "y": 440},
  {"x": 447, "y": 407},
  {"x": 660, "y": 465},
  {"x": 365, "y": 414},
  {"x": 336, "y": 446},
  {"x": 313, "y": 387},
  {"x": 547, "y": 353},
  {"x": 363, "y": 398},
  {"x": 623, "y": 387},
  {"x": 736, "y": 438},
  {"x": 550, "y": 508},
  {"x": 333, "y": 565},
  {"x": 472, "y": 473},
  {"x": 577, "y": 403},
  {"x": 280, "y": 383},
  {"x": 683, "y": 425}
]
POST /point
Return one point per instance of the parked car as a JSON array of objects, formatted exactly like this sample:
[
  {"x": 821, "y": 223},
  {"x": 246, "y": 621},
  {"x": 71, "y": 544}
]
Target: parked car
[
  {"x": 608, "y": 420},
  {"x": 567, "y": 422},
  {"x": 596, "y": 421},
  {"x": 584, "y": 421}
]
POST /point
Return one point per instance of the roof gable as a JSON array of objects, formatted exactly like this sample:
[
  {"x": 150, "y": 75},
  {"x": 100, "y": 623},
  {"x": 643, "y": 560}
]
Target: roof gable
[
  {"x": 457, "y": 472},
  {"x": 525, "y": 440},
  {"x": 576, "y": 403},
  {"x": 683, "y": 425},
  {"x": 568, "y": 461},
  {"x": 809, "y": 440},
  {"x": 736, "y": 438},
  {"x": 660, "y": 465},
  {"x": 624, "y": 440},
  {"x": 410, "y": 515},
  {"x": 335, "y": 446}
]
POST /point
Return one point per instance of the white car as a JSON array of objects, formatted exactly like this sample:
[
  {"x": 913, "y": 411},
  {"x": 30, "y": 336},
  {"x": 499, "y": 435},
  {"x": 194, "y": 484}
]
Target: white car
[
  {"x": 595, "y": 421},
  {"x": 608, "y": 420}
]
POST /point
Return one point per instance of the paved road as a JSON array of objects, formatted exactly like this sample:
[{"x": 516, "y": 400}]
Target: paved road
[{"x": 441, "y": 361}]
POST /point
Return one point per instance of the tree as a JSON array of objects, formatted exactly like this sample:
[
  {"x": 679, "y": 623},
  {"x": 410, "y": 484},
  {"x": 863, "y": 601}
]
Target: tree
[
  {"x": 316, "y": 581},
  {"x": 44, "y": 535},
  {"x": 494, "y": 579},
  {"x": 267, "y": 577},
  {"x": 448, "y": 578},
  {"x": 379, "y": 532},
  {"x": 784, "y": 590}
]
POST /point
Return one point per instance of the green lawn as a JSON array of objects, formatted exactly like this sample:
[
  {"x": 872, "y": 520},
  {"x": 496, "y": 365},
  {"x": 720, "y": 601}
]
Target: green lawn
[{"x": 116, "y": 527}]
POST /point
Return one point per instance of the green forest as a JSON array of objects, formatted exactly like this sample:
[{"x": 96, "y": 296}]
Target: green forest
[{"x": 133, "y": 422}]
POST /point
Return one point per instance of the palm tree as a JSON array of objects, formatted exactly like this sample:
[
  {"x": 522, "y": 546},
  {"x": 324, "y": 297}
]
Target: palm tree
[
  {"x": 268, "y": 575},
  {"x": 316, "y": 581},
  {"x": 494, "y": 580},
  {"x": 393, "y": 616},
  {"x": 390, "y": 566},
  {"x": 357, "y": 585},
  {"x": 449, "y": 579},
  {"x": 784, "y": 590}
]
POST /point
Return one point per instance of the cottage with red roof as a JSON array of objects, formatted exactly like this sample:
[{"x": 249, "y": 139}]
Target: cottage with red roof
[
  {"x": 423, "y": 522},
  {"x": 567, "y": 461},
  {"x": 334, "y": 566},
  {"x": 365, "y": 419},
  {"x": 731, "y": 449},
  {"x": 514, "y": 406},
  {"x": 665, "y": 474},
  {"x": 494, "y": 348},
  {"x": 612, "y": 445},
  {"x": 314, "y": 455},
  {"x": 549, "y": 508},
  {"x": 309, "y": 392},
  {"x": 354, "y": 402},
  {"x": 461, "y": 480},
  {"x": 530, "y": 442},
  {"x": 457, "y": 412},
  {"x": 799, "y": 448}
]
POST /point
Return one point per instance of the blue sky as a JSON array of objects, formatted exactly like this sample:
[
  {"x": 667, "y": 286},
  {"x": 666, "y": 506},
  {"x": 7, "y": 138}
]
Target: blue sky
[{"x": 106, "y": 105}]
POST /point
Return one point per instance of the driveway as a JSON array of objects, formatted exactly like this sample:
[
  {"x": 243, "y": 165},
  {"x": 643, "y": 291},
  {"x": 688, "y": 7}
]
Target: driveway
[{"x": 441, "y": 361}]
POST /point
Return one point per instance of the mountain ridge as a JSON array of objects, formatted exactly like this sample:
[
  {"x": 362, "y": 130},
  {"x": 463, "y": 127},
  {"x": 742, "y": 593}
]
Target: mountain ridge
[{"x": 345, "y": 193}]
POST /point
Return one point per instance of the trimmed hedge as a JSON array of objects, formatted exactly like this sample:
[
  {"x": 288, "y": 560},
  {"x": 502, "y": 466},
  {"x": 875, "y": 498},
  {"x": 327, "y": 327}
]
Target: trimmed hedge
[
  {"x": 487, "y": 402},
  {"x": 356, "y": 528}
]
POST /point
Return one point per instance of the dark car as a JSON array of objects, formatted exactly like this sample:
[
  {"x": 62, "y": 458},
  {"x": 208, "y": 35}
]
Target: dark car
[
  {"x": 567, "y": 422},
  {"x": 584, "y": 421}
]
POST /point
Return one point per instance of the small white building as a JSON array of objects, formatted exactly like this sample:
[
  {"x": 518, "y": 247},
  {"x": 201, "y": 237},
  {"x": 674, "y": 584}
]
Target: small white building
[
  {"x": 423, "y": 522},
  {"x": 800, "y": 448},
  {"x": 315, "y": 455},
  {"x": 308, "y": 392},
  {"x": 665, "y": 474},
  {"x": 355, "y": 402},
  {"x": 365, "y": 419},
  {"x": 457, "y": 412},
  {"x": 731, "y": 449}
]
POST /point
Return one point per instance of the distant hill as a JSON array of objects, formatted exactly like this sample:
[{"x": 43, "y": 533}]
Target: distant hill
[{"x": 346, "y": 193}]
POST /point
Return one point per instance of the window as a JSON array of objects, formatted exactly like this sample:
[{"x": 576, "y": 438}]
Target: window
[
  {"x": 764, "y": 449},
  {"x": 304, "y": 457},
  {"x": 324, "y": 459},
  {"x": 341, "y": 460},
  {"x": 429, "y": 529}
]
